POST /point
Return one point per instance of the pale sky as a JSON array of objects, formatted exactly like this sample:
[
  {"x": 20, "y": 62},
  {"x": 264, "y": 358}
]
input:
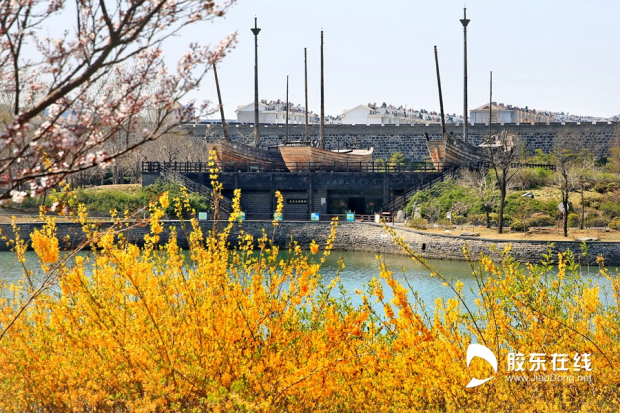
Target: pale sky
[{"x": 545, "y": 54}]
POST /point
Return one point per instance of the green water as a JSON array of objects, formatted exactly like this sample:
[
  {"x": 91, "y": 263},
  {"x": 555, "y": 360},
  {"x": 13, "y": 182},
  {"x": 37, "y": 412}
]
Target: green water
[{"x": 359, "y": 269}]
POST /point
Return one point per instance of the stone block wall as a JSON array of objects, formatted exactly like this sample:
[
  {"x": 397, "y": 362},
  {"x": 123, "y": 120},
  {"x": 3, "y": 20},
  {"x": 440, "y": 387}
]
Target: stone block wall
[
  {"x": 294, "y": 209},
  {"x": 257, "y": 202},
  {"x": 411, "y": 140},
  {"x": 316, "y": 201}
]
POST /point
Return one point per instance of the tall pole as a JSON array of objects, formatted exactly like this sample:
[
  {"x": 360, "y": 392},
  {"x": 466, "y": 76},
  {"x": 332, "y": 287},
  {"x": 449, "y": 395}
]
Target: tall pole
[
  {"x": 322, "y": 130},
  {"x": 286, "y": 139},
  {"x": 443, "y": 120},
  {"x": 490, "y": 104},
  {"x": 219, "y": 97},
  {"x": 256, "y": 30},
  {"x": 465, "y": 22},
  {"x": 306, "y": 83}
]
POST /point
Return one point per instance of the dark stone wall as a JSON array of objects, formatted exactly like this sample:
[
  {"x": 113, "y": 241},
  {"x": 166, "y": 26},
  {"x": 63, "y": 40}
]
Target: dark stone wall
[{"x": 410, "y": 139}]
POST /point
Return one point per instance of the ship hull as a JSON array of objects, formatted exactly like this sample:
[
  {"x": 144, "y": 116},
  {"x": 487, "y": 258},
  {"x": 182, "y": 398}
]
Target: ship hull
[
  {"x": 452, "y": 151},
  {"x": 232, "y": 156},
  {"x": 302, "y": 158}
]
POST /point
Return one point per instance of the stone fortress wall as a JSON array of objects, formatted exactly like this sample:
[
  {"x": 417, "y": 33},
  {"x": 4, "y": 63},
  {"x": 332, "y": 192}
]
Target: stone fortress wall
[{"x": 410, "y": 139}]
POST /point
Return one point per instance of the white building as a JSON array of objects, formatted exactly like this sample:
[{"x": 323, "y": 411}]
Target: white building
[
  {"x": 508, "y": 114},
  {"x": 274, "y": 112},
  {"x": 371, "y": 114}
]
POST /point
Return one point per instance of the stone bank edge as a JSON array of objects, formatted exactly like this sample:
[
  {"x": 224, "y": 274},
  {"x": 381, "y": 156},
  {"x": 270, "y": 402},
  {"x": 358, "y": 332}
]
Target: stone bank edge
[{"x": 357, "y": 236}]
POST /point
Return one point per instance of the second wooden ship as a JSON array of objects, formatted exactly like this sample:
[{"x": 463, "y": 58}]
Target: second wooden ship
[
  {"x": 449, "y": 150},
  {"x": 306, "y": 157}
]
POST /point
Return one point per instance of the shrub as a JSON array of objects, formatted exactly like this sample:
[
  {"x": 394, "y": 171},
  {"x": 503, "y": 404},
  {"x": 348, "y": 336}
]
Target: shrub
[
  {"x": 477, "y": 219},
  {"x": 603, "y": 187},
  {"x": 495, "y": 219},
  {"x": 573, "y": 219},
  {"x": 458, "y": 220},
  {"x": 417, "y": 223},
  {"x": 615, "y": 223},
  {"x": 596, "y": 222},
  {"x": 444, "y": 223},
  {"x": 519, "y": 226},
  {"x": 539, "y": 220},
  {"x": 610, "y": 208},
  {"x": 515, "y": 204},
  {"x": 592, "y": 201},
  {"x": 531, "y": 177}
]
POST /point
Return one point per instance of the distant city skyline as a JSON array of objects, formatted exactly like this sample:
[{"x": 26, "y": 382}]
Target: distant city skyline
[{"x": 553, "y": 56}]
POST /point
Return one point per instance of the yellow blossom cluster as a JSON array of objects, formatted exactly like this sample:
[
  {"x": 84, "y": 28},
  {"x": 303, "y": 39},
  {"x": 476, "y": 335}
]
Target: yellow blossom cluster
[{"x": 253, "y": 328}]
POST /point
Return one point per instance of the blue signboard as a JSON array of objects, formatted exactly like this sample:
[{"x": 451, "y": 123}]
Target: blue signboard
[
  {"x": 314, "y": 216},
  {"x": 277, "y": 217},
  {"x": 350, "y": 217}
]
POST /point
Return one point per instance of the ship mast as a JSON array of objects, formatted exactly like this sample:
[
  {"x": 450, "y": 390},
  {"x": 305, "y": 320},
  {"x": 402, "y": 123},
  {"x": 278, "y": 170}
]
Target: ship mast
[
  {"x": 286, "y": 138},
  {"x": 306, "y": 84},
  {"x": 322, "y": 129},
  {"x": 490, "y": 105},
  {"x": 465, "y": 22},
  {"x": 256, "y": 30},
  {"x": 443, "y": 121},
  {"x": 219, "y": 97}
]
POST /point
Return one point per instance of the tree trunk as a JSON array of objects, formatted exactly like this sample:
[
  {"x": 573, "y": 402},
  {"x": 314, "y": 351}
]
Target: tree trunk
[
  {"x": 486, "y": 211},
  {"x": 583, "y": 211},
  {"x": 502, "y": 200},
  {"x": 565, "y": 203}
]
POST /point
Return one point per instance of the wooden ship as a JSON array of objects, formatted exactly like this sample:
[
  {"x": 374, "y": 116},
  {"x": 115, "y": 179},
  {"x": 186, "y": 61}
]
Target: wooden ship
[
  {"x": 236, "y": 155},
  {"x": 452, "y": 151},
  {"x": 306, "y": 157},
  {"x": 449, "y": 150},
  {"x": 303, "y": 155}
]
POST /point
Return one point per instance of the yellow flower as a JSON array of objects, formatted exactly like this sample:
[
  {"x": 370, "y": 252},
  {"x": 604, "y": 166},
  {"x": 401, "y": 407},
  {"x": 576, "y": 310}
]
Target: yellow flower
[
  {"x": 163, "y": 200},
  {"x": 314, "y": 248},
  {"x": 45, "y": 247}
]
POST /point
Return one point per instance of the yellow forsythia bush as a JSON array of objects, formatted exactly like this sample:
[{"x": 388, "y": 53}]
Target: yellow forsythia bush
[{"x": 142, "y": 329}]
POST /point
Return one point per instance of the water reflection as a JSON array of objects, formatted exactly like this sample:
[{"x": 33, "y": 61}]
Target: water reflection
[{"x": 359, "y": 269}]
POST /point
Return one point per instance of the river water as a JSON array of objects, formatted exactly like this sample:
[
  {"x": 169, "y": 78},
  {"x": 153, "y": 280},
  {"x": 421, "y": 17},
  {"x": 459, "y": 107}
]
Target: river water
[{"x": 360, "y": 268}]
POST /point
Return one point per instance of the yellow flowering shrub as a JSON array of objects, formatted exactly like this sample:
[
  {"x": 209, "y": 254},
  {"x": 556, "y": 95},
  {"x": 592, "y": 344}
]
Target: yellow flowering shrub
[{"x": 141, "y": 329}]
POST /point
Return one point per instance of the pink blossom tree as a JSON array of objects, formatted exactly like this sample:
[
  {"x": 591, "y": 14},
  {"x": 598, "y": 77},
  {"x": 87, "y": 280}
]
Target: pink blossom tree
[{"x": 64, "y": 100}]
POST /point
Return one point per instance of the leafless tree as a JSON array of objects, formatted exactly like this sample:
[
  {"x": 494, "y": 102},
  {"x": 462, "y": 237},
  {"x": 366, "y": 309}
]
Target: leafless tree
[
  {"x": 484, "y": 186},
  {"x": 60, "y": 124},
  {"x": 503, "y": 153},
  {"x": 575, "y": 168}
]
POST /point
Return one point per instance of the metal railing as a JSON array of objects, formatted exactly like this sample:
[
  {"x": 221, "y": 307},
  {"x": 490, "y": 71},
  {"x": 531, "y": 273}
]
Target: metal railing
[
  {"x": 399, "y": 201},
  {"x": 225, "y": 204}
]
